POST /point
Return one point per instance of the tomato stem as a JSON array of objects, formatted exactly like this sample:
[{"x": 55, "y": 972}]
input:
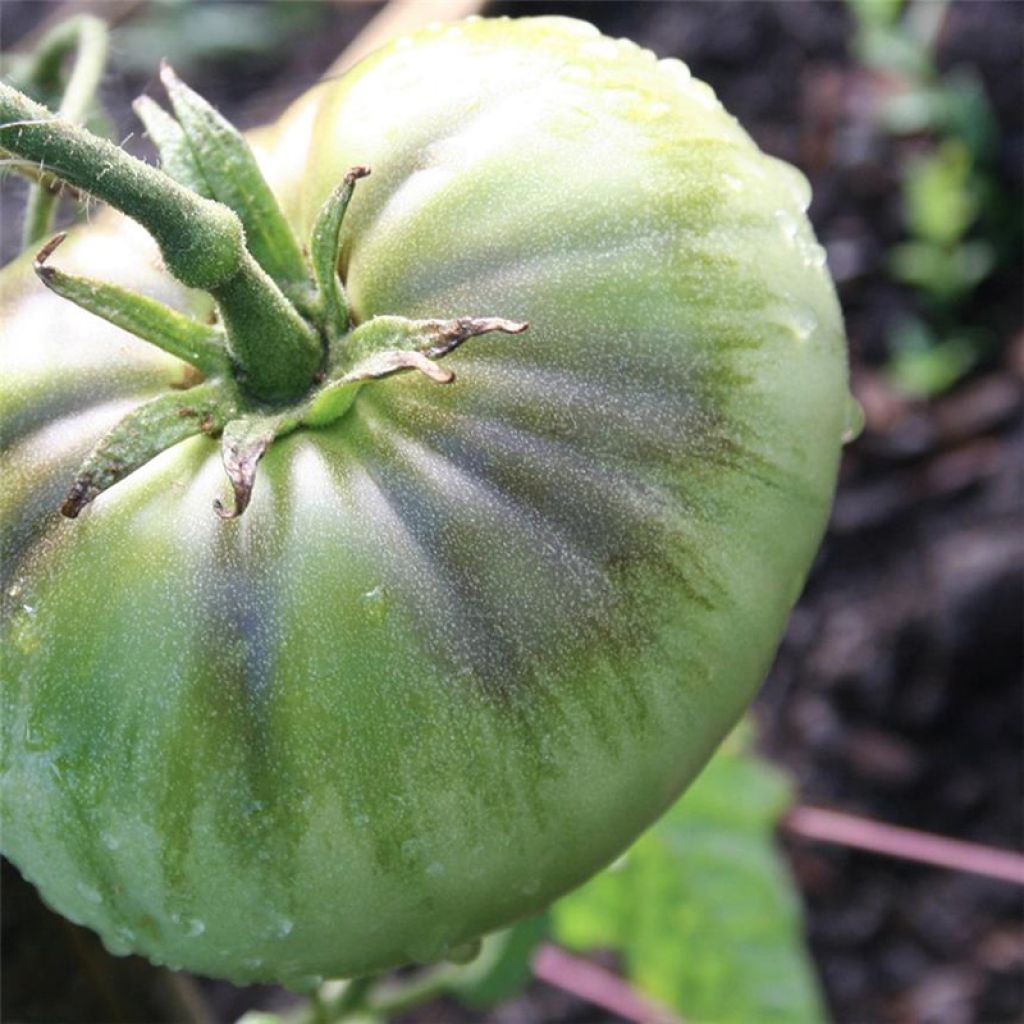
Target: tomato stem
[
  {"x": 202, "y": 241},
  {"x": 285, "y": 354}
]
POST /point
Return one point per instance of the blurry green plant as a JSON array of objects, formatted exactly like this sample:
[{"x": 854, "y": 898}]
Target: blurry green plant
[
  {"x": 954, "y": 211},
  {"x": 188, "y": 34}
]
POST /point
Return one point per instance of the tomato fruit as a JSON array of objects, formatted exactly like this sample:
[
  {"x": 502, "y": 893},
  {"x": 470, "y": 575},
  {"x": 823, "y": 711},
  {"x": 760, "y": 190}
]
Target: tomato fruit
[{"x": 466, "y": 642}]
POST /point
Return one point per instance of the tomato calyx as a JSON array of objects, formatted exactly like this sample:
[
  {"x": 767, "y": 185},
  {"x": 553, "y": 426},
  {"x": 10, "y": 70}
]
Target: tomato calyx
[{"x": 283, "y": 352}]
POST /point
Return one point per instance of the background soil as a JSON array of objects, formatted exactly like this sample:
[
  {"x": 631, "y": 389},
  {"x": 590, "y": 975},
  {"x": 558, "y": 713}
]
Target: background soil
[{"x": 897, "y": 690}]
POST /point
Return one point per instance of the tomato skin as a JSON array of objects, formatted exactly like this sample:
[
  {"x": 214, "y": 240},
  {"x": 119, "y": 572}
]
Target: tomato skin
[{"x": 469, "y": 641}]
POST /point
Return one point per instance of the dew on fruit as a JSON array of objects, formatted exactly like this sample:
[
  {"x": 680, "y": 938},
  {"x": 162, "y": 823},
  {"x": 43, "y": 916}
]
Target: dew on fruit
[
  {"x": 788, "y": 223},
  {"x": 25, "y": 632},
  {"x": 676, "y": 69},
  {"x": 804, "y": 323},
  {"x": 120, "y": 943},
  {"x": 361, "y": 820},
  {"x": 428, "y": 949},
  {"x": 853, "y": 421},
  {"x": 466, "y": 953},
  {"x": 38, "y": 737},
  {"x": 89, "y": 892},
  {"x": 411, "y": 849},
  {"x": 814, "y": 255},
  {"x": 110, "y": 841},
  {"x": 797, "y": 184},
  {"x": 376, "y": 604},
  {"x": 283, "y": 927},
  {"x": 194, "y": 927},
  {"x": 435, "y": 869}
]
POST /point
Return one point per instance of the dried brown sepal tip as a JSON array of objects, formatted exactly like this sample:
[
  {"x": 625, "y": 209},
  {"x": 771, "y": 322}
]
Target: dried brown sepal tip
[
  {"x": 241, "y": 455},
  {"x": 46, "y": 251},
  {"x": 452, "y": 333},
  {"x": 82, "y": 492}
]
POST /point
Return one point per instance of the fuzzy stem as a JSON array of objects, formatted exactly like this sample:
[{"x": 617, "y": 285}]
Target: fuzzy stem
[{"x": 201, "y": 241}]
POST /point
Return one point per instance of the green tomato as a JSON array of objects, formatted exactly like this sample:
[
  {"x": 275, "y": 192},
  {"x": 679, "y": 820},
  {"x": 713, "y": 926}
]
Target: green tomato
[{"x": 467, "y": 642}]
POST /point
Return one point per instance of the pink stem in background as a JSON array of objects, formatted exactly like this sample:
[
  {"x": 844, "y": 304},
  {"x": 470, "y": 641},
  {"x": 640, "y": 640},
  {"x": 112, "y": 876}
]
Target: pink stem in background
[
  {"x": 850, "y": 830},
  {"x": 587, "y": 981}
]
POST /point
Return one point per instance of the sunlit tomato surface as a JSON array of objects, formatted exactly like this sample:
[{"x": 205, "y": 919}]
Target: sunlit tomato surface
[{"x": 469, "y": 641}]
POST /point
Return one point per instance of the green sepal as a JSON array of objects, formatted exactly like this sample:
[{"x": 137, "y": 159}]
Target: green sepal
[
  {"x": 243, "y": 445},
  {"x": 199, "y": 345},
  {"x": 176, "y": 156},
  {"x": 387, "y": 345},
  {"x": 147, "y": 431},
  {"x": 201, "y": 240},
  {"x": 323, "y": 250},
  {"x": 230, "y": 170}
]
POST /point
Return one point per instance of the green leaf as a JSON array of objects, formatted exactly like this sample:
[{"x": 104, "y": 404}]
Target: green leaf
[
  {"x": 702, "y": 908},
  {"x": 924, "y": 366},
  {"x": 945, "y": 274},
  {"x": 939, "y": 196},
  {"x": 882, "y": 13}
]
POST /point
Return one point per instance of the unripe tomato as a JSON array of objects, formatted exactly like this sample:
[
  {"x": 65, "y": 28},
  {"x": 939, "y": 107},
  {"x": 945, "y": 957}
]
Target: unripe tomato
[{"x": 468, "y": 641}]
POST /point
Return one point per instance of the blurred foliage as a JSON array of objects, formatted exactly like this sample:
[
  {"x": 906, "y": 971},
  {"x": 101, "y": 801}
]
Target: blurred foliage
[
  {"x": 955, "y": 214},
  {"x": 189, "y": 34},
  {"x": 702, "y": 908}
]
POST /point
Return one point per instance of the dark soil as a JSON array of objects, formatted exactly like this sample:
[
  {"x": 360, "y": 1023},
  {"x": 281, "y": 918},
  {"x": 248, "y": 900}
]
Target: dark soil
[{"x": 896, "y": 694}]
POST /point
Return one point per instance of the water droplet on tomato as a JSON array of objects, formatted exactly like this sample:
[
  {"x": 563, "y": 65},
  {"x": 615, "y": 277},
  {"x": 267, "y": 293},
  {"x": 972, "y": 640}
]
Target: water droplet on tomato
[
  {"x": 814, "y": 255},
  {"x": 38, "y": 737},
  {"x": 788, "y": 223},
  {"x": 466, "y": 953},
  {"x": 804, "y": 323},
  {"x": 283, "y": 927},
  {"x": 376, "y": 604},
  {"x": 194, "y": 927},
  {"x": 110, "y": 841},
  {"x": 435, "y": 869},
  {"x": 121, "y": 942},
  {"x": 88, "y": 892},
  {"x": 853, "y": 422},
  {"x": 676, "y": 70}
]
